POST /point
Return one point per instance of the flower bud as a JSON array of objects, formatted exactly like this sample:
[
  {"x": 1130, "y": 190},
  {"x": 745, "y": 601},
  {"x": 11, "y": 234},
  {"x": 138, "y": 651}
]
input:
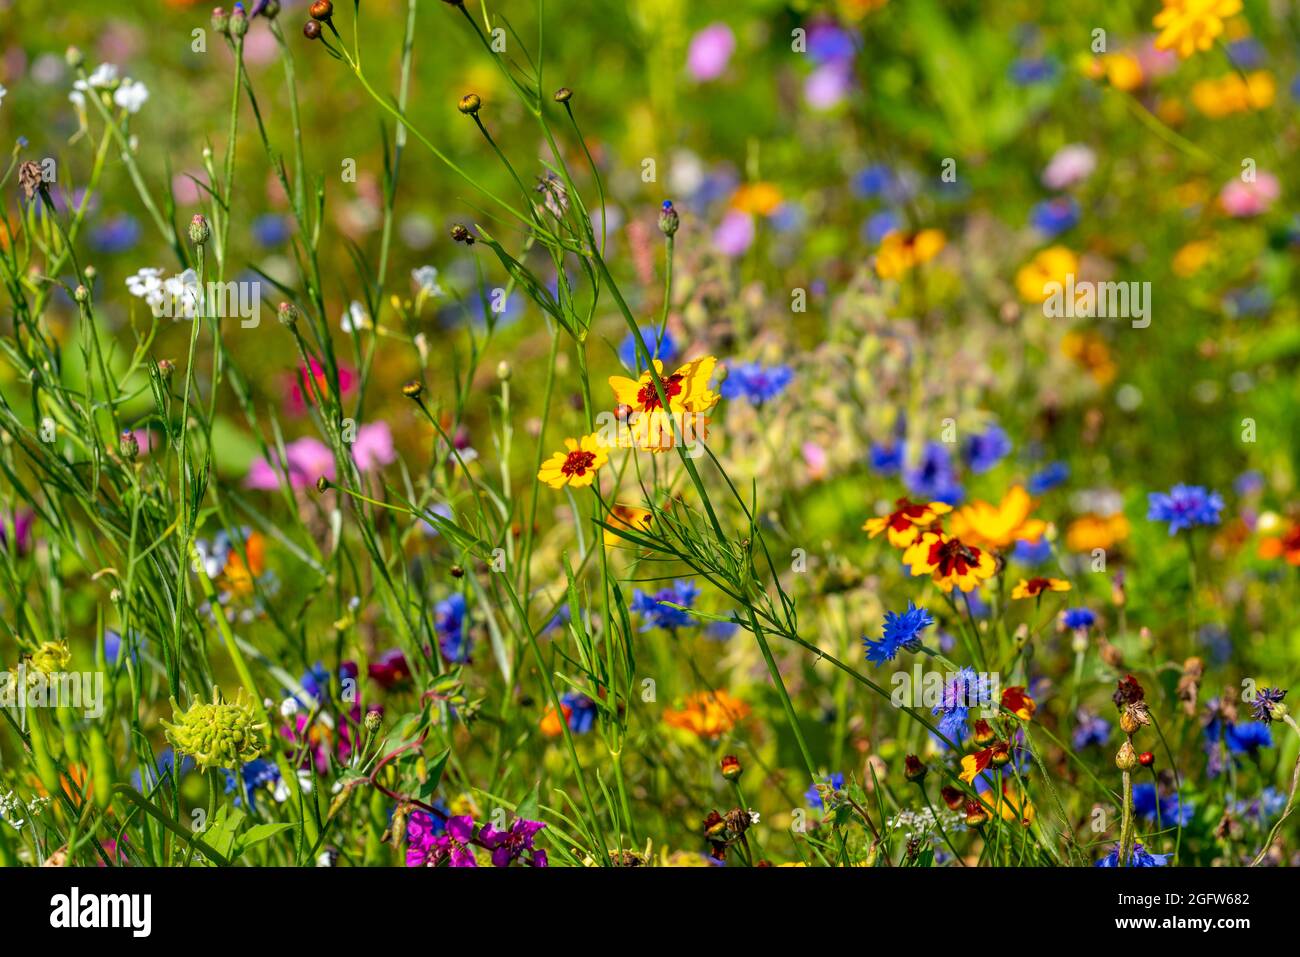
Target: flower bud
[
  {"x": 1126, "y": 759},
  {"x": 311, "y": 30},
  {"x": 412, "y": 389},
  {"x": 200, "y": 231},
  {"x": 457, "y": 571},
  {"x": 321, "y": 10},
  {"x": 220, "y": 20},
  {"x": 469, "y": 104},
  {"x": 288, "y": 314},
  {"x": 238, "y": 22},
  {"x": 128, "y": 445},
  {"x": 976, "y": 814},
  {"x": 374, "y": 721},
  {"x": 731, "y": 769},
  {"x": 504, "y": 371},
  {"x": 913, "y": 769},
  {"x": 461, "y": 234},
  {"x": 322, "y": 484},
  {"x": 1147, "y": 759},
  {"x": 272, "y": 9},
  {"x": 669, "y": 221},
  {"x": 74, "y": 58},
  {"x": 983, "y": 735},
  {"x": 166, "y": 368},
  {"x": 563, "y": 95},
  {"x": 81, "y": 294}
]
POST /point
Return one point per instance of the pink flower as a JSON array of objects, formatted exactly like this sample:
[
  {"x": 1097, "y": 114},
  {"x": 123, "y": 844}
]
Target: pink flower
[
  {"x": 301, "y": 392},
  {"x": 1071, "y": 164},
  {"x": 1242, "y": 199},
  {"x": 308, "y": 459},
  {"x": 828, "y": 85},
  {"x": 814, "y": 457},
  {"x": 734, "y": 234},
  {"x": 710, "y": 52},
  {"x": 373, "y": 448}
]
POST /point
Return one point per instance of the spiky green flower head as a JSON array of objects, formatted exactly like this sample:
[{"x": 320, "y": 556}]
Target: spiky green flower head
[
  {"x": 51, "y": 656},
  {"x": 222, "y": 734}
]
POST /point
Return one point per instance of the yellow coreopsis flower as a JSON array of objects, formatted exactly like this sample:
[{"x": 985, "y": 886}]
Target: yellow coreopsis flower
[
  {"x": 1096, "y": 531},
  {"x": 1051, "y": 265},
  {"x": 630, "y": 517},
  {"x": 758, "y": 199},
  {"x": 907, "y": 521},
  {"x": 1190, "y": 25},
  {"x": 1033, "y": 587},
  {"x": 950, "y": 562},
  {"x": 1001, "y": 525},
  {"x": 900, "y": 251},
  {"x": 689, "y": 396},
  {"x": 576, "y": 465}
]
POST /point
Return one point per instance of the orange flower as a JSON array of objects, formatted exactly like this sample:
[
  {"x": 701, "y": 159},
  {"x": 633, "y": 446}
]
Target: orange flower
[
  {"x": 950, "y": 562},
  {"x": 906, "y": 522},
  {"x": 1014, "y": 804},
  {"x": 1284, "y": 546},
  {"x": 628, "y": 517},
  {"x": 1094, "y": 531},
  {"x": 707, "y": 714},
  {"x": 760, "y": 199},
  {"x": 239, "y": 576},
  {"x": 972, "y": 765},
  {"x": 900, "y": 251},
  {"x": 1033, "y": 587},
  {"x": 1016, "y": 701},
  {"x": 1002, "y": 525},
  {"x": 1091, "y": 352},
  {"x": 551, "y": 725}
]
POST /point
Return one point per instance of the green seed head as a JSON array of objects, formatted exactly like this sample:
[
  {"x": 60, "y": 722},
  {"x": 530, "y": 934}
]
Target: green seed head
[{"x": 222, "y": 734}]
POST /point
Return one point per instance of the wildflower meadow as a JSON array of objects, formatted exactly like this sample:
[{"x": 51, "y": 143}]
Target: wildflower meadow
[{"x": 645, "y": 434}]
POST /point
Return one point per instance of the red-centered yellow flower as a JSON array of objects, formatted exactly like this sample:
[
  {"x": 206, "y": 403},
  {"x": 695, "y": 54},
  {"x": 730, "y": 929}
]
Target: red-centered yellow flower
[
  {"x": 707, "y": 714},
  {"x": 1033, "y": 587},
  {"x": 1015, "y": 804},
  {"x": 1001, "y": 525},
  {"x": 900, "y": 251},
  {"x": 1018, "y": 702},
  {"x": 1051, "y": 265},
  {"x": 1190, "y": 25},
  {"x": 628, "y": 517},
  {"x": 949, "y": 561},
  {"x": 972, "y": 765},
  {"x": 689, "y": 396},
  {"x": 575, "y": 466},
  {"x": 906, "y": 521}
]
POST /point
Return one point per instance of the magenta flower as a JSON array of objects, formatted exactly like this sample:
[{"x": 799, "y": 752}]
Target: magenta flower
[
  {"x": 308, "y": 459},
  {"x": 710, "y": 52},
  {"x": 1243, "y": 200},
  {"x": 508, "y": 846},
  {"x": 22, "y": 520},
  {"x": 301, "y": 391},
  {"x": 451, "y": 847},
  {"x": 373, "y": 448}
]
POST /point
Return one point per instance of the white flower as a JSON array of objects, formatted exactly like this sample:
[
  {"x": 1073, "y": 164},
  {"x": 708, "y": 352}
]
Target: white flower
[
  {"x": 288, "y": 707},
  {"x": 3, "y": 91},
  {"x": 184, "y": 293},
  {"x": 131, "y": 95},
  {"x": 426, "y": 281},
  {"x": 354, "y": 319},
  {"x": 147, "y": 284},
  {"x": 77, "y": 99},
  {"x": 105, "y": 75}
]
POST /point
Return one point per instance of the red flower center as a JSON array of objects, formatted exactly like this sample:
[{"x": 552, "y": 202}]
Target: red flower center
[
  {"x": 648, "y": 398},
  {"x": 1037, "y": 585},
  {"x": 953, "y": 557},
  {"x": 906, "y": 516},
  {"x": 578, "y": 462}
]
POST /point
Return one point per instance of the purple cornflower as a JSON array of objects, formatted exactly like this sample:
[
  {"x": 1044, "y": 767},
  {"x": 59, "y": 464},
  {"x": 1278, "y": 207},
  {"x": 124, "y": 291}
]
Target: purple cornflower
[
  {"x": 934, "y": 478},
  {"x": 510, "y": 845},
  {"x": 1141, "y": 858},
  {"x": 427, "y": 846},
  {"x": 1090, "y": 729},
  {"x": 984, "y": 451},
  {"x": 22, "y": 520},
  {"x": 1185, "y": 506},
  {"x": 1049, "y": 478},
  {"x": 965, "y": 691},
  {"x": 1052, "y": 217},
  {"x": 1268, "y": 706},
  {"x": 1078, "y": 619},
  {"x": 900, "y": 631}
]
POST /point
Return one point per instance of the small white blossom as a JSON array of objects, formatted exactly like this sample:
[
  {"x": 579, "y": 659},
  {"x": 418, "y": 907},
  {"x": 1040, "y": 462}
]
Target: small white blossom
[
  {"x": 3, "y": 91},
  {"x": 426, "y": 281},
  {"x": 288, "y": 707},
  {"x": 131, "y": 95},
  {"x": 184, "y": 293},
  {"x": 354, "y": 318},
  {"x": 147, "y": 284},
  {"x": 105, "y": 75}
]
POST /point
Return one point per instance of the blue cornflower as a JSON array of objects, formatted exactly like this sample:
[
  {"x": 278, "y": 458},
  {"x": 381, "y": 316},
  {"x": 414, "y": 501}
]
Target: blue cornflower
[
  {"x": 934, "y": 478},
  {"x": 270, "y": 230},
  {"x": 559, "y": 620},
  {"x": 721, "y": 630},
  {"x": 886, "y": 460},
  {"x": 316, "y": 681},
  {"x": 1049, "y": 478},
  {"x": 900, "y": 631},
  {"x": 1185, "y": 506},
  {"x": 813, "y": 795},
  {"x": 661, "y": 344},
  {"x": 1090, "y": 729},
  {"x": 258, "y": 774},
  {"x": 582, "y": 711},
  {"x": 875, "y": 180},
  {"x": 1269, "y": 803},
  {"x": 1052, "y": 217},
  {"x": 756, "y": 383},
  {"x": 1248, "y": 483},
  {"x": 1027, "y": 71},
  {"x": 164, "y": 766},
  {"x": 1141, "y": 858},
  {"x": 657, "y": 615},
  {"x": 113, "y": 644},
  {"x": 983, "y": 452},
  {"x": 1079, "y": 619},
  {"x": 964, "y": 691},
  {"x": 881, "y": 224},
  {"x": 1172, "y": 809},
  {"x": 115, "y": 235},
  {"x": 449, "y": 623},
  {"x": 1032, "y": 553}
]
